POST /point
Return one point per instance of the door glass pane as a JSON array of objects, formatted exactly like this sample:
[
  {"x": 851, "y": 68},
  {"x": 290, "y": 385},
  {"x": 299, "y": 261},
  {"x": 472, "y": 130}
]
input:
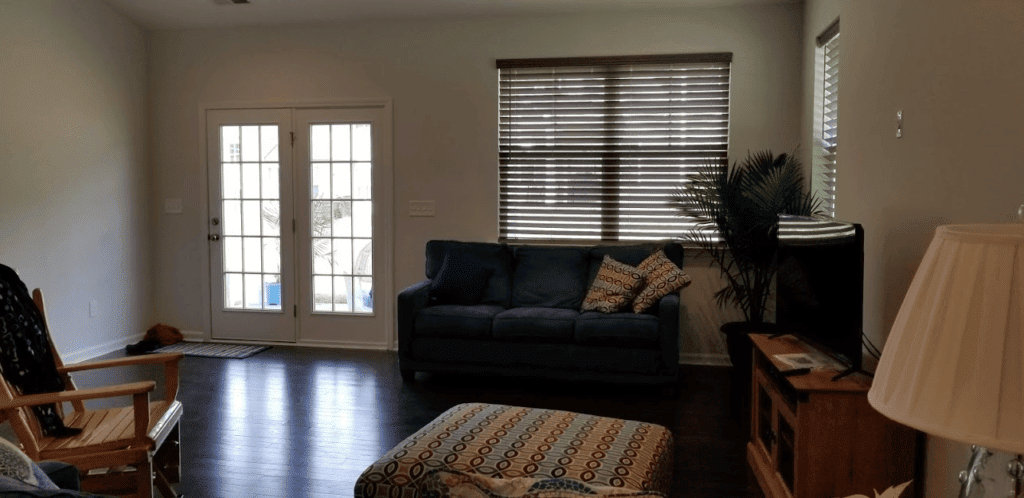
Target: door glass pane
[
  {"x": 322, "y": 256},
  {"x": 253, "y": 291},
  {"x": 342, "y": 293},
  {"x": 231, "y": 181},
  {"x": 272, "y": 291},
  {"x": 250, "y": 143},
  {"x": 341, "y": 227},
  {"x": 232, "y": 215},
  {"x": 250, "y": 180},
  {"x": 342, "y": 188},
  {"x": 233, "y": 290},
  {"x": 343, "y": 256},
  {"x": 268, "y": 143},
  {"x": 321, "y": 181},
  {"x": 361, "y": 144},
  {"x": 271, "y": 255},
  {"x": 251, "y": 217},
  {"x": 271, "y": 180},
  {"x": 252, "y": 252},
  {"x": 232, "y": 253},
  {"x": 322, "y": 293},
  {"x": 341, "y": 142},
  {"x": 361, "y": 178},
  {"x": 271, "y": 218},
  {"x": 364, "y": 294},
  {"x": 320, "y": 143},
  {"x": 362, "y": 218},
  {"x": 341, "y": 222}
]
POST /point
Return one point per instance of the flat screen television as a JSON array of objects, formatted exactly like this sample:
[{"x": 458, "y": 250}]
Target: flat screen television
[{"x": 820, "y": 286}]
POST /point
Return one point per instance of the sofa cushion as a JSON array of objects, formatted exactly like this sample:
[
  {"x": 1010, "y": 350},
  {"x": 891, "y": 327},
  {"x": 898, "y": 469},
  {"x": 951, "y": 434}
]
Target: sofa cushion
[
  {"x": 488, "y": 255},
  {"x": 614, "y": 287},
  {"x": 450, "y": 320},
  {"x": 462, "y": 279},
  {"x": 535, "y": 358},
  {"x": 628, "y": 330},
  {"x": 661, "y": 276},
  {"x": 549, "y": 325},
  {"x": 549, "y": 277}
]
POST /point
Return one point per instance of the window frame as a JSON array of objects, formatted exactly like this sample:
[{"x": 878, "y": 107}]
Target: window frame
[
  {"x": 825, "y": 165},
  {"x": 613, "y": 172}
]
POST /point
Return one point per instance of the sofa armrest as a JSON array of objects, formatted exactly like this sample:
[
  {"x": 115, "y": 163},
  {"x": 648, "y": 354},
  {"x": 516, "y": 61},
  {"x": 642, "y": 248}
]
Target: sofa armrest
[
  {"x": 668, "y": 329},
  {"x": 410, "y": 301}
]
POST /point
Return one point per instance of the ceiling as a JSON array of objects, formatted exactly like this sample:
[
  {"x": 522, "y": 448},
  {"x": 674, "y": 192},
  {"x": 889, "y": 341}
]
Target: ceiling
[{"x": 176, "y": 14}]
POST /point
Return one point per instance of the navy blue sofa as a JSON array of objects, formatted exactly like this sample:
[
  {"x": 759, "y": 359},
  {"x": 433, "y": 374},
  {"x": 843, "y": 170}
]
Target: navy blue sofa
[{"x": 515, "y": 310}]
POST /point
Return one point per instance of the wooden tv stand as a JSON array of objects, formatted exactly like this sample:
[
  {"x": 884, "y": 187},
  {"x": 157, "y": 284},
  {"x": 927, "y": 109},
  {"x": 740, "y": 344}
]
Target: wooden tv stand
[{"x": 812, "y": 437}]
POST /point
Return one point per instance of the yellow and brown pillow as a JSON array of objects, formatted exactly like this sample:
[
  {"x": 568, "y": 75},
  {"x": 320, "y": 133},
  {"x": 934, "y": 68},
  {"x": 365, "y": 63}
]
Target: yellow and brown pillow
[
  {"x": 662, "y": 276},
  {"x": 614, "y": 287}
]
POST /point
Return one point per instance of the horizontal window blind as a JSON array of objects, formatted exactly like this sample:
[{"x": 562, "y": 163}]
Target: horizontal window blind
[
  {"x": 592, "y": 149},
  {"x": 830, "y": 115}
]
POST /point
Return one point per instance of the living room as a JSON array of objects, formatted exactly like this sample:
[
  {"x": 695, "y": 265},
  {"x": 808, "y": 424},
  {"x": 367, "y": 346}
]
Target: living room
[{"x": 102, "y": 124}]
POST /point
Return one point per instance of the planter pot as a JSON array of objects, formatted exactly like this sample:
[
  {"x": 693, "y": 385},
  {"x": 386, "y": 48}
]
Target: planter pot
[{"x": 741, "y": 355}]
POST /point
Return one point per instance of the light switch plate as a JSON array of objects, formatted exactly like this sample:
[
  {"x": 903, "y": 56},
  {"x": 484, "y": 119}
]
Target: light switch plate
[
  {"x": 172, "y": 205},
  {"x": 94, "y": 309},
  {"x": 421, "y": 208}
]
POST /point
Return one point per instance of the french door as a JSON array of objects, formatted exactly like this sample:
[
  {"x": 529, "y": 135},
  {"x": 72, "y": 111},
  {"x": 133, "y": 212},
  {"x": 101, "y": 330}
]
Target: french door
[{"x": 296, "y": 227}]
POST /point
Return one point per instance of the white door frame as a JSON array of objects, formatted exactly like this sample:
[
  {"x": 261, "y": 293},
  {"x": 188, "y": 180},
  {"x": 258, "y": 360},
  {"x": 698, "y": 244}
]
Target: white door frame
[{"x": 386, "y": 303}]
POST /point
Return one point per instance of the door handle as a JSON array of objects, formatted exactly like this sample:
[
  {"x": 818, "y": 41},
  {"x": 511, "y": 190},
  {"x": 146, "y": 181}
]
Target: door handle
[{"x": 214, "y": 237}]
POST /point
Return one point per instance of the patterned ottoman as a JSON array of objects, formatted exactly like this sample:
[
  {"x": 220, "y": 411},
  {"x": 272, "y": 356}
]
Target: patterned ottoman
[{"x": 511, "y": 442}]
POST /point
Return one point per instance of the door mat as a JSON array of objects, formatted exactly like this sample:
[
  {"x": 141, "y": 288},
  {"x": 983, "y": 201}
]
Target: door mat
[{"x": 211, "y": 350}]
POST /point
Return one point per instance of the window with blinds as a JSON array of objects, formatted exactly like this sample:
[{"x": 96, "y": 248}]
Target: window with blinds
[
  {"x": 591, "y": 149},
  {"x": 828, "y": 43}
]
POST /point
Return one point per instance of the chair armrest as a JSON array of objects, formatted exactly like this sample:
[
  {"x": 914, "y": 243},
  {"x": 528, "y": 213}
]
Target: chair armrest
[
  {"x": 170, "y": 361},
  {"x": 122, "y": 362},
  {"x": 668, "y": 330},
  {"x": 79, "y": 395},
  {"x": 410, "y": 301}
]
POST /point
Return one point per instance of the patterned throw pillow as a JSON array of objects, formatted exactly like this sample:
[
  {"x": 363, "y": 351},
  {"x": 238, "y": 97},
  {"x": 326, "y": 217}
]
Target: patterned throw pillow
[
  {"x": 448, "y": 483},
  {"x": 614, "y": 287},
  {"x": 19, "y": 473},
  {"x": 662, "y": 277}
]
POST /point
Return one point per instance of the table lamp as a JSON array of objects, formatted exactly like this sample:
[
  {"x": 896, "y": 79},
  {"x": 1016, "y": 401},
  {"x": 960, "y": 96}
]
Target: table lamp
[{"x": 953, "y": 365}]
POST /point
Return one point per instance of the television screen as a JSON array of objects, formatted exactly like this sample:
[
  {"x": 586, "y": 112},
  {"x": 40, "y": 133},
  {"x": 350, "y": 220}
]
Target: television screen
[{"x": 820, "y": 285}]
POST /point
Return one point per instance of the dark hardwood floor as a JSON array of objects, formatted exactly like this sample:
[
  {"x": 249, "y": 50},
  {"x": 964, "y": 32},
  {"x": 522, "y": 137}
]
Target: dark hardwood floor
[{"x": 304, "y": 422}]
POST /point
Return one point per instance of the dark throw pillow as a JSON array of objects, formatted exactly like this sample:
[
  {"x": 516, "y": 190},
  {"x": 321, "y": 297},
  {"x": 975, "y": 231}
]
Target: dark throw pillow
[{"x": 461, "y": 280}]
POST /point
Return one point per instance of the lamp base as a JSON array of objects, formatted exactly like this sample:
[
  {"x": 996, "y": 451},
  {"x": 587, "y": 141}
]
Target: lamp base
[{"x": 971, "y": 479}]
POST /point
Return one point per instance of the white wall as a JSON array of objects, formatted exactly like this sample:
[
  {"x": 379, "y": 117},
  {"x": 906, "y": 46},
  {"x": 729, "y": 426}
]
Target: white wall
[
  {"x": 73, "y": 175},
  {"x": 955, "y": 69},
  {"x": 443, "y": 82}
]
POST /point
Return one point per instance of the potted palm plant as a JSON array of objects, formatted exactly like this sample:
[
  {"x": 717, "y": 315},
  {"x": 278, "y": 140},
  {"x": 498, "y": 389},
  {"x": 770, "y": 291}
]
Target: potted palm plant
[{"x": 736, "y": 213}]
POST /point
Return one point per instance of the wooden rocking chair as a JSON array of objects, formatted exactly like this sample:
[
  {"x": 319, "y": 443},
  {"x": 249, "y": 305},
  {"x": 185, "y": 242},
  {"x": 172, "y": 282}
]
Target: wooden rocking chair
[{"x": 121, "y": 451}]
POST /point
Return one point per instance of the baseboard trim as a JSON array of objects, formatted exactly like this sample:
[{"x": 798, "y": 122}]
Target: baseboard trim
[
  {"x": 194, "y": 335},
  {"x": 343, "y": 345},
  {"x": 709, "y": 359},
  {"x": 100, "y": 349}
]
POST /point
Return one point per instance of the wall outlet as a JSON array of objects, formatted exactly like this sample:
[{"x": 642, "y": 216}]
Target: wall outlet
[
  {"x": 94, "y": 309},
  {"x": 421, "y": 208},
  {"x": 172, "y": 205}
]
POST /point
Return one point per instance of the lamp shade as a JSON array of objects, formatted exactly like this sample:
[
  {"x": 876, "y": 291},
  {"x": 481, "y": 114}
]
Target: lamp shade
[{"x": 953, "y": 365}]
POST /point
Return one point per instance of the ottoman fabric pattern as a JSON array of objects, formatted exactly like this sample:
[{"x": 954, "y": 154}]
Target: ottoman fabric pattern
[{"x": 507, "y": 442}]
